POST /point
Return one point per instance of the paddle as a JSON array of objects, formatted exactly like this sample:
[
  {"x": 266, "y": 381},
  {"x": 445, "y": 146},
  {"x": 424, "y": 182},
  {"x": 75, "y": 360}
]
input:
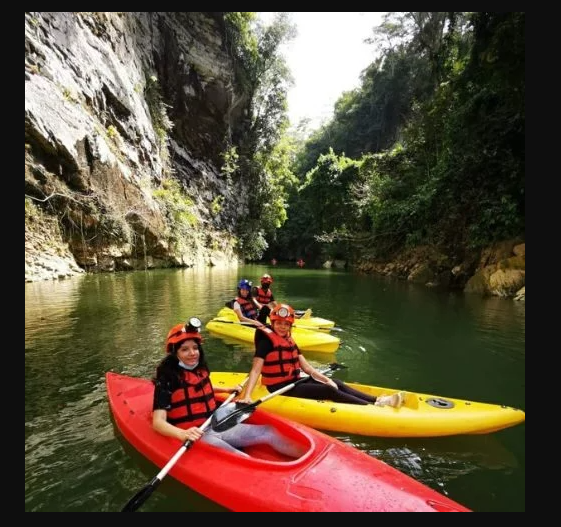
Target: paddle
[
  {"x": 242, "y": 411},
  {"x": 143, "y": 494},
  {"x": 249, "y": 324},
  {"x": 317, "y": 328}
]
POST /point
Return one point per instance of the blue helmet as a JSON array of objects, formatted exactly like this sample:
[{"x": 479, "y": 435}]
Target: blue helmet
[{"x": 244, "y": 284}]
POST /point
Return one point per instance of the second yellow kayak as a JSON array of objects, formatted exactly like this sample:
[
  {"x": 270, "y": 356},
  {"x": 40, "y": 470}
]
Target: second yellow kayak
[
  {"x": 422, "y": 415},
  {"x": 305, "y": 321},
  {"x": 228, "y": 325}
]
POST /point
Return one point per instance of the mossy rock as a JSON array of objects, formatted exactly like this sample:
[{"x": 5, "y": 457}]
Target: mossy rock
[{"x": 515, "y": 262}]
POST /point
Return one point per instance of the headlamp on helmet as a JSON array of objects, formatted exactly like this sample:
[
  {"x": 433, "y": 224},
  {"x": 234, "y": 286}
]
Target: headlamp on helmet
[
  {"x": 181, "y": 332},
  {"x": 193, "y": 324},
  {"x": 282, "y": 312}
]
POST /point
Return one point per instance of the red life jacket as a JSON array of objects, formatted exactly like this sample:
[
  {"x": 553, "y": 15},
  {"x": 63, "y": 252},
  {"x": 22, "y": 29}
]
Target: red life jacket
[
  {"x": 281, "y": 363},
  {"x": 263, "y": 297},
  {"x": 248, "y": 307},
  {"x": 193, "y": 402}
]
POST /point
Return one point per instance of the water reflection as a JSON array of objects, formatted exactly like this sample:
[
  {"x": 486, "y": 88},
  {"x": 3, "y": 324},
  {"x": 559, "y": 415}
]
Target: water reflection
[
  {"x": 172, "y": 496},
  {"x": 445, "y": 463}
]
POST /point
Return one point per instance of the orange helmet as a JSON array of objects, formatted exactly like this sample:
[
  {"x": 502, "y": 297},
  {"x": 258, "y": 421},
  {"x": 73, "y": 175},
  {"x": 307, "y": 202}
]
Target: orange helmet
[
  {"x": 181, "y": 332},
  {"x": 266, "y": 279},
  {"x": 282, "y": 312}
]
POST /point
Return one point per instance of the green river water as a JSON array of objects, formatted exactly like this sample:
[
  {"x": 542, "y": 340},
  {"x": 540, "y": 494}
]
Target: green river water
[{"x": 395, "y": 334}]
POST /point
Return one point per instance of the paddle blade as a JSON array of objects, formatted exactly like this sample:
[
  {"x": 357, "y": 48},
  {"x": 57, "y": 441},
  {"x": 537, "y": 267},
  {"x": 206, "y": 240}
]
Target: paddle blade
[
  {"x": 229, "y": 415},
  {"x": 141, "y": 496}
]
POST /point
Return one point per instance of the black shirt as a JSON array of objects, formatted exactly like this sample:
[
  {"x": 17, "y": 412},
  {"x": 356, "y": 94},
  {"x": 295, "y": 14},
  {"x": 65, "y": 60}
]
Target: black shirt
[{"x": 162, "y": 395}]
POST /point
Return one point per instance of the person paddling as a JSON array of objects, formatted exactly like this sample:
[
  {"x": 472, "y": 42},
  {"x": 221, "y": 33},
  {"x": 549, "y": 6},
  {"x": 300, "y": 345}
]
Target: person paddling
[{"x": 184, "y": 399}]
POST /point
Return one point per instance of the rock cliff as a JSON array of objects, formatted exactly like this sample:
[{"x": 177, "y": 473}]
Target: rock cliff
[{"x": 115, "y": 104}]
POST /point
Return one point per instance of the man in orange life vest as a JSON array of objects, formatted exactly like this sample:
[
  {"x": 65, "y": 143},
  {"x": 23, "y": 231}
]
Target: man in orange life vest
[{"x": 263, "y": 298}]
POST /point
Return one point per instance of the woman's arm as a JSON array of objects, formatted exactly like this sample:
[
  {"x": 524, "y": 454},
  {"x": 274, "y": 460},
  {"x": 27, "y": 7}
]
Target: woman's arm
[
  {"x": 245, "y": 397},
  {"x": 256, "y": 303},
  {"x": 238, "y": 311},
  {"x": 160, "y": 424},
  {"x": 314, "y": 374},
  {"x": 233, "y": 389}
]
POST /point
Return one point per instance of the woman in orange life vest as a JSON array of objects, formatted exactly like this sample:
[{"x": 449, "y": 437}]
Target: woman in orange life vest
[
  {"x": 263, "y": 298},
  {"x": 279, "y": 362},
  {"x": 244, "y": 305},
  {"x": 184, "y": 399}
]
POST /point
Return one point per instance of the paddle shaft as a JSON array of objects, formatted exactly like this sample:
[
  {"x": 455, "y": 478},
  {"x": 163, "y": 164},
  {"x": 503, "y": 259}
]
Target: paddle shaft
[
  {"x": 234, "y": 415},
  {"x": 142, "y": 495},
  {"x": 280, "y": 391},
  {"x": 249, "y": 324},
  {"x": 186, "y": 446},
  {"x": 316, "y": 328}
]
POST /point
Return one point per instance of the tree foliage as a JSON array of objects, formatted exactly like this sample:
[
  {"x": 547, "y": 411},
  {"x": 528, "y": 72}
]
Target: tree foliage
[
  {"x": 437, "y": 132},
  {"x": 264, "y": 155}
]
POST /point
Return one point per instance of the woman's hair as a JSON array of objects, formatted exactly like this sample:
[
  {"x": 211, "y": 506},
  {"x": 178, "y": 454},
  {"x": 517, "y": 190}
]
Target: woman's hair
[{"x": 169, "y": 370}]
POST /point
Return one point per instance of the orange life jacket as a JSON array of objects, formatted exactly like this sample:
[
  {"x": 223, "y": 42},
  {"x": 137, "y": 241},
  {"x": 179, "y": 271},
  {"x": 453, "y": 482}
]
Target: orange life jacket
[
  {"x": 248, "y": 307},
  {"x": 263, "y": 297},
  {"x": 193, "y": 402},
  {"x": 281, "y": 363}
]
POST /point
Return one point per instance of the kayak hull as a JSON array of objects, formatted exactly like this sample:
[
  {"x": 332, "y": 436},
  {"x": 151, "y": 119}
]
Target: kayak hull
[
  {"x": 330, "y": 477},
  {"x": 314, "y": 323},
  {"x": 228, "y": 325},
  {"x": 311, "y": 322},
  {"x": 422, "y": 415}
]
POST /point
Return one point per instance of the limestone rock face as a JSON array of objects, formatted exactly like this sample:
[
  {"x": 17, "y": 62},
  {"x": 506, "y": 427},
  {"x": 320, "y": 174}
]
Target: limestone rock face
[{"x": 114, "y": 104}]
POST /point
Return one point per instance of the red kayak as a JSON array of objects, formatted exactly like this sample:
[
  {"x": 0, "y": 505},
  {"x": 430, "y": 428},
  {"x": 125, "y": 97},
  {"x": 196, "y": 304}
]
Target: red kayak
[{"x": 330, "y": 477}]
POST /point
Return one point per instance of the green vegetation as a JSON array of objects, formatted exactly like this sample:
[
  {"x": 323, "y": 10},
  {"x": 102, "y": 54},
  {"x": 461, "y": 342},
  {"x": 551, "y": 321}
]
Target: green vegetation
[
  {"x": 112, "y": 132},
  {"x": 160, "y": 120},
  {"x": 177, "y": 210},
  {"x": 435, "y": 136},
  {"x": 31, "y": 211},
  {"x": 230, "y": 165},
  {"x": 216, "y": 206},
  {"x": 264, "y": 154}
]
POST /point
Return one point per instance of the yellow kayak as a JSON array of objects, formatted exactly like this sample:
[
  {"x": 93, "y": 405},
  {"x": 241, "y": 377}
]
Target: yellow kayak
[
  {"x": 422, "y": 415},
  {"x": 227, "y": 324},
  {"x": 306, "y": 321}
]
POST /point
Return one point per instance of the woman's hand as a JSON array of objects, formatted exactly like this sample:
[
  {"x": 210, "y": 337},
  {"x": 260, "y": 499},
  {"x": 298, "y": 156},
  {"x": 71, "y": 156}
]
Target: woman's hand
[
  {"x": 191, "y": 434},
  {"x": 317, "y": 376},
  {"x": 245, "y": 399},
  {"x": 236, "y": 389}
]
